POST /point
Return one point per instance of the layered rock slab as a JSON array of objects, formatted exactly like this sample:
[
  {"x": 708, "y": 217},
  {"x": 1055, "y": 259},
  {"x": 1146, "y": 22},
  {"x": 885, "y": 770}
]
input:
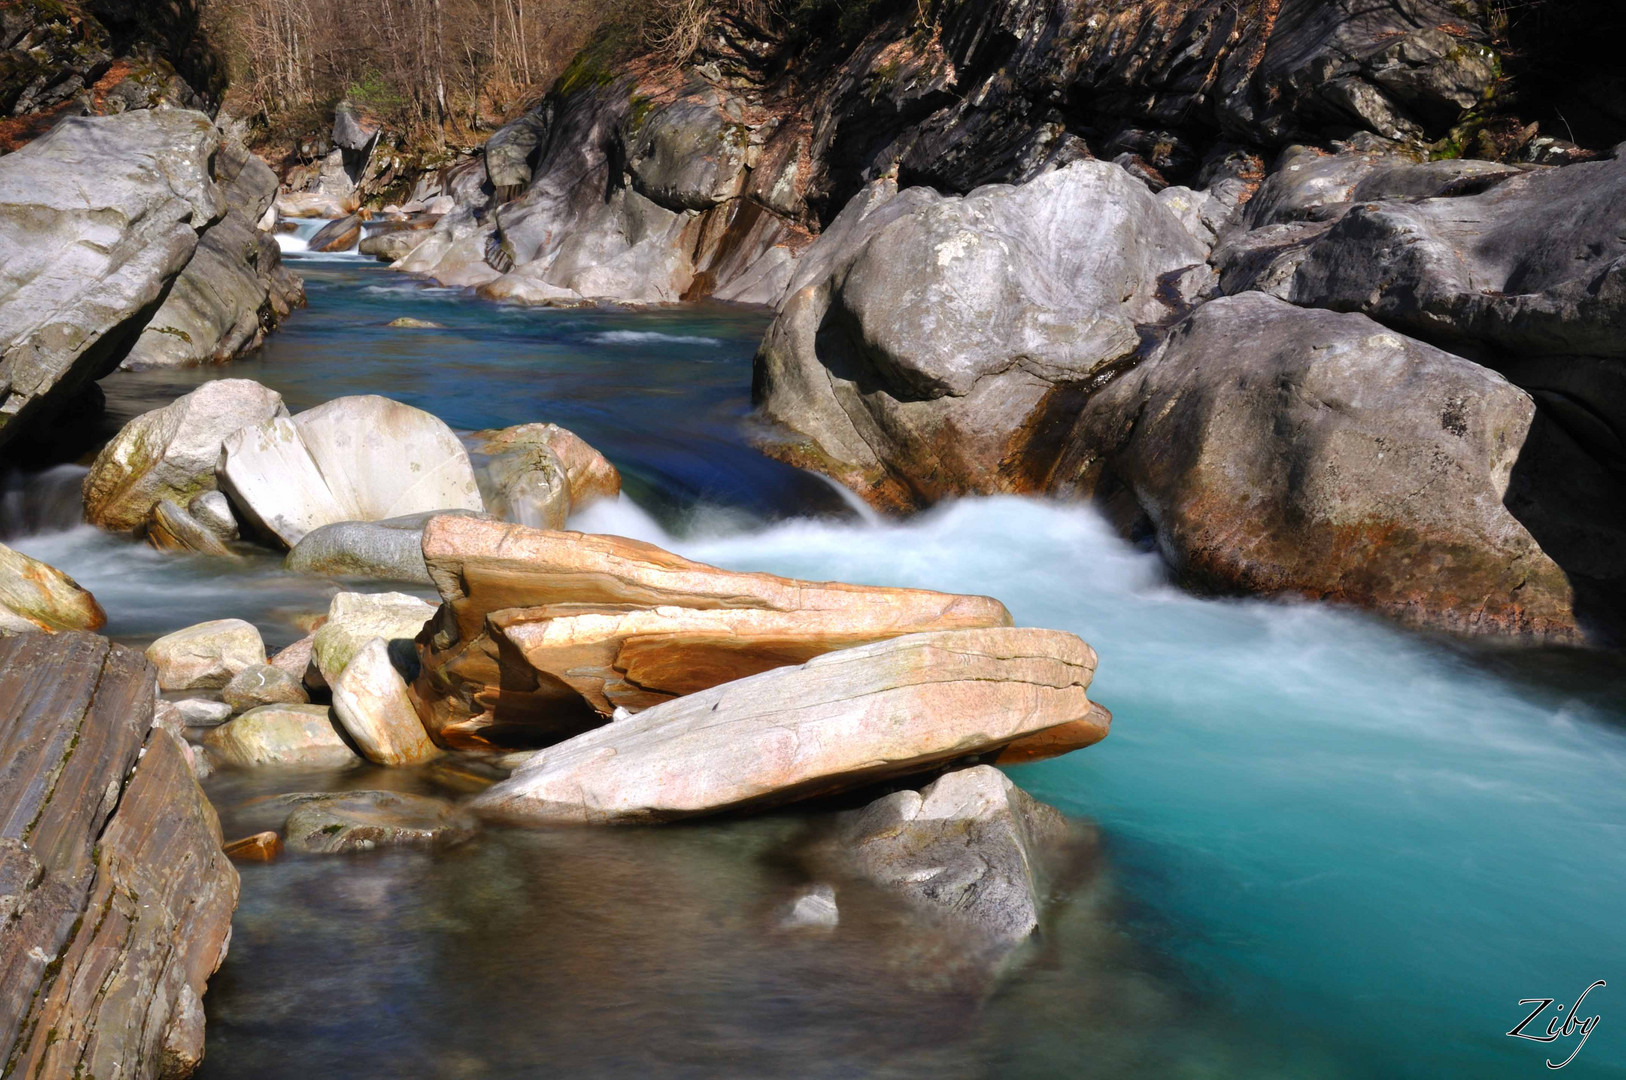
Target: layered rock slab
[
  {"x": 117, "y": 895},
  {"x": 839, "y": 721},
  {"x": 681, "y": 625}
]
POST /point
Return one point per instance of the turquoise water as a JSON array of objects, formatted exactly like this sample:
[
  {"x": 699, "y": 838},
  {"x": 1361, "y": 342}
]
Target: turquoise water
[{"x": 1324, "y": 847}]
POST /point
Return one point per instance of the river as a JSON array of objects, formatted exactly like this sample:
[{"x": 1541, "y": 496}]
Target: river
[{"x": 1321, "y": 846}]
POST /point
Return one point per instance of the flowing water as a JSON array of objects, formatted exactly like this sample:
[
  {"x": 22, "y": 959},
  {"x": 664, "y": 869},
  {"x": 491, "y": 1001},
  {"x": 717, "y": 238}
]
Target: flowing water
[{"x": 1318, "y": 846}]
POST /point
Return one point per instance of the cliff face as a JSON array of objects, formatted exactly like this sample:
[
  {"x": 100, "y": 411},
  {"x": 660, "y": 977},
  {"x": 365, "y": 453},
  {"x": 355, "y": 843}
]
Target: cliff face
[
  {"x": 96, "y": 57},
  {"x": 709, "y": 177}
]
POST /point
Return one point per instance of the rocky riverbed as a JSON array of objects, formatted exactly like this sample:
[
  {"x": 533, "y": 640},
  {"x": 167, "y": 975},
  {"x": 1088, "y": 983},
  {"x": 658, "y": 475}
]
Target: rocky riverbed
[{"x": 523, "y": 612}]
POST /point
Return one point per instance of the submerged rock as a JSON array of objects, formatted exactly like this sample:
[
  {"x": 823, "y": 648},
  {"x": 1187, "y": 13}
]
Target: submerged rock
[
  {"x": 206, "y": 656},
  {"x": 170, "y": 453},
  {"x": 1276, "y": 449},
  {"x": 261, "y": 847},
  {"x": 839, "y": 721},
  {"x": 118, "y": 897},
  {"x": 302, "y": 735},
  {"x": 931, "y": 346},
  {"x": 35, "y": 596},
  {"x": 99, "y": 217},
  {"x": 365, "y": 820},
  {"x": 971, "y": 845},
  {"x": 353, "y": 459},
  {"x": 542, "y": 634}
]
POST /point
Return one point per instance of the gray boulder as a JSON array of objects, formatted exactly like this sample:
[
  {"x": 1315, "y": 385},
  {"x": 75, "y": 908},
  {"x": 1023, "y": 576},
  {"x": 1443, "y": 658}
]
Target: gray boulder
[
  {"x": 389, "y": 550},
  {"x": 931, "y": 346},
  {"x": 97, "y": 219},
  {"x": 971, "y": 846},
  {"x": 509, "y": 152},
  {"x": 690, "y": 154},
  {"x": 263, "y": 684},
  {"x": 1535, "y": 265},
  {"x": 288, "y": 735},
  {"x": 1280, "y": 450},
  {"x": 235, "y": 289}
]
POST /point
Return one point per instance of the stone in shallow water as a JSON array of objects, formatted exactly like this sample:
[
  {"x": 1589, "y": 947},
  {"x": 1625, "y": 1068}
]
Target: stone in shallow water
[
  {"x": 261, "y": 847},
  {"x": 263, "y": 684},
  {"x": 371, "y": 701},
  {"x": 212, "y": 510},
  {"x": 839, "y": 721},
  {"x": 390, "y": 550},
  {"x": 173, "y": 529},
  {"x": 281, "y": 735},
  {"x": 363, "y": 458},
  {"x": 968, "y": 845},
  {"x": 406, "y": 322},
  {"x": 207, "y": 655},
  {"x": 170, "y": 453},
  {"x": 354, "y": 619},
  {"x": 814, "y": 908},
  {"x": 192, "y": 713},
  {"x": 364, "y": 820}
]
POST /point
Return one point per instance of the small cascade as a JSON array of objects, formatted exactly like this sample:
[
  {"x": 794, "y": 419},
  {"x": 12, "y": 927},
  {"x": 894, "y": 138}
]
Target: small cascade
[
  {"x": 48, "y": 501},
  {"x": 298, "y": 242}
]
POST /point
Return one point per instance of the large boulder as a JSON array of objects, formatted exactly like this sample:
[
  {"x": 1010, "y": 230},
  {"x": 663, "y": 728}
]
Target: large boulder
[
  {"x": 235, "y": 289},
  {"x": 931, "y": 346},
  {"x": 170, "y": 453},
  {"x": 353, "y": 459},
  {"x": 1534, "y": 265},
  {"x": 35, "y": 596},
  {"x": 206, "y": 656},
  {"x": 541, "y": 632},
  {"x": 1281, "y": 450},
  {"x": 118, "y": 897},
  {"x": 839, "y": 721},
  {"x": 971, "y": 846},
  {"x": 354, "y": 619},
  {"x": 97, "y": 219}
]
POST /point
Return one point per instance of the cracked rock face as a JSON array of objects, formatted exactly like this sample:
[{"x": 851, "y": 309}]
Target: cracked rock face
[
  {"x": 115, "y": 890},
  {"x": 932, "y": 346},
  {"x": 1275, "y": 449},
  {"x": 96, "y": 220}
]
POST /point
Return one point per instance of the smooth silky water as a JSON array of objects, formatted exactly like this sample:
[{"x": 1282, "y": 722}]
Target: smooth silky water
[{"x": 1322, "y": 846}]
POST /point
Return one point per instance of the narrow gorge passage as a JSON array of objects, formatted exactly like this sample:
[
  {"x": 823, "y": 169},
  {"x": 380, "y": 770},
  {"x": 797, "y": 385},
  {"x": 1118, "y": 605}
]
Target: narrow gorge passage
[{"x": 1323, "y": 846}]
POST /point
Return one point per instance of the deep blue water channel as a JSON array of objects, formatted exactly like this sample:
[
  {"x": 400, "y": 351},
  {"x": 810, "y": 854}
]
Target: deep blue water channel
[{"x": 1324, "y": 847}]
